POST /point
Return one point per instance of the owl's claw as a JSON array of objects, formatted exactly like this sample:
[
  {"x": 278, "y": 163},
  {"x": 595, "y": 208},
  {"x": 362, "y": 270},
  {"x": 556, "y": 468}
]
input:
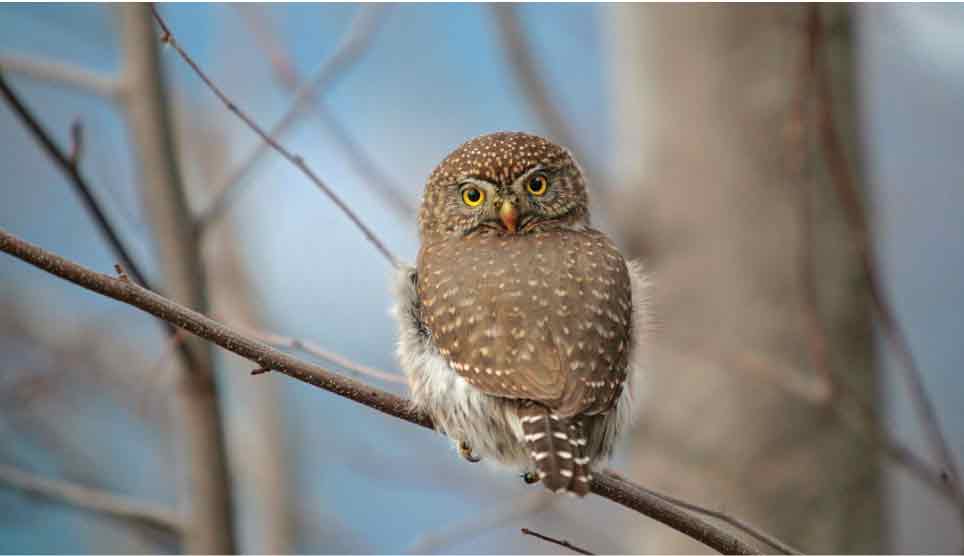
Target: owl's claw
[
  {"x": 466, "y": 452},
  {"x": 529, "y": 477}
]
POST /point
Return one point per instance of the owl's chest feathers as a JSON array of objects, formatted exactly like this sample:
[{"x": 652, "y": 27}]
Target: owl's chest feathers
[
  {"x": 545, "y": 317},
  {"x": 490, "y": 423}
]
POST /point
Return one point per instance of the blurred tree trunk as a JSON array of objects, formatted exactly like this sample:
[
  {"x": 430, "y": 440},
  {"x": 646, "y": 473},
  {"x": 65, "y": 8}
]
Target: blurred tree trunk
[
  {"x": 736, "y": 415},
  {"x": 253, "y": 418},
  {"x": 204, "y": 480}
]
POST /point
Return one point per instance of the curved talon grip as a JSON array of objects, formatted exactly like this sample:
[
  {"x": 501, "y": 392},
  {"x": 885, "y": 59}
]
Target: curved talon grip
[{"x": 466, "y": 452}]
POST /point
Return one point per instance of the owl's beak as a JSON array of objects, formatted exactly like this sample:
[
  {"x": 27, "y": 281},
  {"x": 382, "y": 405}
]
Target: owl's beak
[{"x": 509, "y": 215}]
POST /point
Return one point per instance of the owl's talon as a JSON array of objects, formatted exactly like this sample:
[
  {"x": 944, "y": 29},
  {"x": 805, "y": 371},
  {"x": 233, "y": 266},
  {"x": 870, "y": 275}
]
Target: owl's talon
[
  {"x": 529, "y": 477},
  {"x": 466, "y": 452}
]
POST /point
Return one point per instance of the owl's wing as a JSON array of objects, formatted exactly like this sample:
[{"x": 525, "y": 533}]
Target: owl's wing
[{"x": 545, "y": 317}]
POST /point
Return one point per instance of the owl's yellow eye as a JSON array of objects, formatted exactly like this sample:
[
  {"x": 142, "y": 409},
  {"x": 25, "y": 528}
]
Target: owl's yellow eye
[
  {"x": 473, "y": 196},
  {"x": 538, "y": 185}
]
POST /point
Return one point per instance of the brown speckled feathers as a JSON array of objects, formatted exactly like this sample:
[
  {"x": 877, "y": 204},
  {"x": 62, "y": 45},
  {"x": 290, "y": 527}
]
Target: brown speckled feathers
[{"x": 547, "y": 319}]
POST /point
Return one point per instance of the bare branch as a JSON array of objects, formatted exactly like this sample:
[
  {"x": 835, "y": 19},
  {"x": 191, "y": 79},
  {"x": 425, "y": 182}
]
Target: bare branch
[
  {"x": 758, "y": 534},
  {"x": 766, "y": 369},
  {"x": 562, "y": 543},
  {"x": 285, "y": 74},
  {"x": 90, "y": 499},
  {"x": 312, "y": 348},
  {"x": 76, "y": 142},
  {"x": 203, "y": 485},
  {"x": 63, "y": 74},
  {"x": 847, "y": 190},
  {"x": 526, "y": 69},
  {"x": 72, "y": 172},
  {"x": 328, "y": 70},
  {"x": 603, "y": 484}
]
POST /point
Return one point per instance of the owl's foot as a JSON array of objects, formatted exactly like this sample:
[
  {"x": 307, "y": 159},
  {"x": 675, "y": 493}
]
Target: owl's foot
[
  {"x": 466, "y": 452},
  {"x": 529, "y": 477}
]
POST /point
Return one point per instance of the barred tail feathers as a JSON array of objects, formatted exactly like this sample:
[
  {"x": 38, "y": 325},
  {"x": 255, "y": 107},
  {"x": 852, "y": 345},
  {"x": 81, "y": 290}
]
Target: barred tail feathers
[{"x": 557, "y": 448}]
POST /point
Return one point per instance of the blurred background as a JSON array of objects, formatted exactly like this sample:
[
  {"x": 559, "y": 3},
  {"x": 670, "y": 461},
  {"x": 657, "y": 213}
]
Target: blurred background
[{"x": 721, "y": 142}]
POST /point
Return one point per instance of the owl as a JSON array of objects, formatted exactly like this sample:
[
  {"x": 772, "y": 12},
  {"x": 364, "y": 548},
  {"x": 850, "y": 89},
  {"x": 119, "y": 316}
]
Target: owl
[{"x": 520, "y": 325}]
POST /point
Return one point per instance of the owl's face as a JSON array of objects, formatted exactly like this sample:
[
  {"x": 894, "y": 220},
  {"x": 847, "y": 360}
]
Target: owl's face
[{"x": 506, "y": 183}]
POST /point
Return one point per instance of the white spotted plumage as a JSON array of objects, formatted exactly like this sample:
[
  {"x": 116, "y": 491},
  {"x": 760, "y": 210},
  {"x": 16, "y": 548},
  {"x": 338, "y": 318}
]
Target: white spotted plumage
[
  {"x": 520, "y": 324},
  {"x": 490, "y": 425}
]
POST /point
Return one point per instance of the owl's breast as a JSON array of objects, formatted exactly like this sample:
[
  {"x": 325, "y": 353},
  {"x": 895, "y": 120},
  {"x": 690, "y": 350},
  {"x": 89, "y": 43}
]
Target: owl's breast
[{"x": 544, "y": 316}]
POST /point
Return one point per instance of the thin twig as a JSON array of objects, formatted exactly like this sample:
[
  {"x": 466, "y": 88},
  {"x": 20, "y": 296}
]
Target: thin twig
[
  {"x": 312, "y": 348},
  {"x": 81, "y": 186},
  {"x": 603, "y": 484},
  {"x": 353, "y": 45},
  {"x": 90, "y": 499},
  {"x": 526, "y": 69},
  {"x": 203, "y": 485},
  {"x": 76, "y": 143},
  {"x": 347, "y": 55},
  {"x": 769, "y": 370},
  {"x": 562, "y": 543},
  {"x": 64, "y": 74},
  {"x": 847, "y": 191},
  {"x": 758, "y": 534},
  {"x": 287, "y": 75},
  {"x": 797, "y": 140}
]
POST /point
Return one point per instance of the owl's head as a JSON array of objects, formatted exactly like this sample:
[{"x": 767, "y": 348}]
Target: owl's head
[{"x": 503, "y": 183}]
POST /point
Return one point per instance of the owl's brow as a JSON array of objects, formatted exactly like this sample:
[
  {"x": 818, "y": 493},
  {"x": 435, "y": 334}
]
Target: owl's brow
[
  {"x": 472, "y": 180},
  {"x": 530, "y": 171},
  {"x": 479, "y": 181}
]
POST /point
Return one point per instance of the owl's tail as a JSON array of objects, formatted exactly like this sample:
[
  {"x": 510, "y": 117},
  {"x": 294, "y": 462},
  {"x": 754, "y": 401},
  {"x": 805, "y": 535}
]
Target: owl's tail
[{"x": 557, "y": 448}]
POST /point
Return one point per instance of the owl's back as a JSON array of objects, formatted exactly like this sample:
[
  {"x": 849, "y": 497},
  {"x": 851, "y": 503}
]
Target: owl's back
[{"x": 544, "y": 316}]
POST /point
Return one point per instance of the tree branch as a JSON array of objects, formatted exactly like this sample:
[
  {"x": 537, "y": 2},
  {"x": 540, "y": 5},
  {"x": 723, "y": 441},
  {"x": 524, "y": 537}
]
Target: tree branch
[
  {"x": 604, "y": 484},
  {"x": 351, "y": 48},
  {"x": 286, "y": 75},
  {"x": 847, "y": 191},
  {"x": 80, "y": 185},
  {"x": 90, "y": 499},
  {"x": 775, "y": 543},
  {"x": 562, "y": 543},
  {"x": 312, "y": 348},
  {"x": 526, "y": 69},
  {"x": 64, "y": 74},
  {"x": 203, "y": 482}
]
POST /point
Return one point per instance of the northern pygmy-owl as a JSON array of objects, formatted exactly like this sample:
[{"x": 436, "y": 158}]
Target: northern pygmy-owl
[{"x": 520, "y": 324}]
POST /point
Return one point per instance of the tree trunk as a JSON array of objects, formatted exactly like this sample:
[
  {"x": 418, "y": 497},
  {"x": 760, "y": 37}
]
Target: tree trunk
[
  {"x": 737, "y": 415},
  {"x": 204, "y": 485}
]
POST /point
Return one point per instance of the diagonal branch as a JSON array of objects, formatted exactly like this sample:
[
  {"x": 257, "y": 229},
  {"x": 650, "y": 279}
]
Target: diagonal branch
[
  {"x": 847, "y": 190},
  {"x": 124, "y": 290},
  {"x": 203, "y": 474},
  {"x": 72, "y": 171},
  {"x": 561, "y": 542},
  {"x": 65, "y": 74},
  {"x": 352, "y": 47},
  {"x": 312, "y": 348},
  {"x": 526, "y": 68},
  {"x": 90, "y": 499},
  {"x": 776, "y": 544},
  {"x": 286, "y": 74}
]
